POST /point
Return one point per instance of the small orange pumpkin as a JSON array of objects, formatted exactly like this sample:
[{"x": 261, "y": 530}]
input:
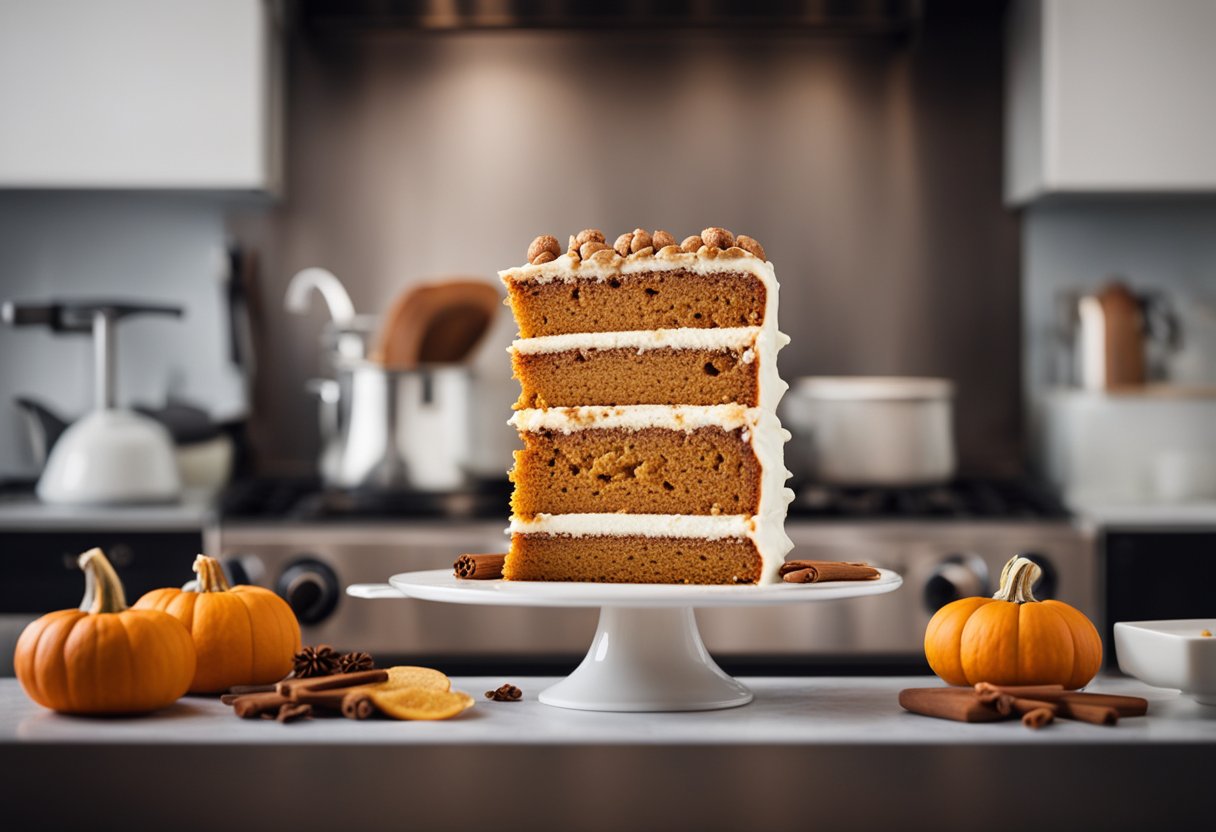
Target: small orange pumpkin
[
  {"x": 1013, "y": 639},
  {"x": 104, "y": 658},
  {"x": 244, "y": 635}
]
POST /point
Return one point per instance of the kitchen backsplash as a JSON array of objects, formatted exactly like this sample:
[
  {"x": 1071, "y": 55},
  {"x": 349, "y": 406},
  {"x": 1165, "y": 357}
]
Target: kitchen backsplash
[
  {"x": 155, "y": 248},
  {"x": 1167, "y": 245},
  {"x": 869, "y": 169}
]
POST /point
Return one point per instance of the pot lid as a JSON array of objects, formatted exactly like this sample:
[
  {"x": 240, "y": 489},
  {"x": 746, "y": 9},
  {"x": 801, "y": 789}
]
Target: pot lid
[{"x": 874, "y": 388}]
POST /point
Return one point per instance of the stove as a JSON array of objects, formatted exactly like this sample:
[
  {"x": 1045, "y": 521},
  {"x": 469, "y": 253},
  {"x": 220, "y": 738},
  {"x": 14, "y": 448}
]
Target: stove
[
  {"x": 965, "y": 499},
  {"x": 305, "y": 501},
  {"x": 947, "y": 541}
]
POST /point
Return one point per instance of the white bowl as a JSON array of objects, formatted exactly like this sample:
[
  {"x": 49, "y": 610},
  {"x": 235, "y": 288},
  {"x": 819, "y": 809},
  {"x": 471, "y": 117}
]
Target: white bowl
[{"x": 1170, "y": 654}]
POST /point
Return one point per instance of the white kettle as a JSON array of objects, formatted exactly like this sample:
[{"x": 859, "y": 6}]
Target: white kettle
[{"x": 111, "y": 456}]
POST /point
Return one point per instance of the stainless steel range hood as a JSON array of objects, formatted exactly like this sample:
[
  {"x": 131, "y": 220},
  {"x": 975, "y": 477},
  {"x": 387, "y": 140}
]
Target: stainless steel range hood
[{"x": 861, "y": 17}]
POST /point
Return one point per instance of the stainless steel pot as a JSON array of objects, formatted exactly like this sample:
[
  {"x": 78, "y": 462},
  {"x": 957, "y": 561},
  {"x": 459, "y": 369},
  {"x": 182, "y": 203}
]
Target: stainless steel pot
[
  {"x": 405, "y": 429},
  {"x": 875, "y": 430}
]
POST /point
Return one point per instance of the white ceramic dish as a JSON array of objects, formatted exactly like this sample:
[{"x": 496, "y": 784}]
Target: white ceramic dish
[
  {"x": 1170, "y": 654},
  {"x": 647, "y": 654}
]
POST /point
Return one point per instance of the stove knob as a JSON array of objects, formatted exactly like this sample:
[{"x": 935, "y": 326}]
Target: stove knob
[
  {"x": 958, "y": 576},
  {"x": 236, "y": 571},
  {"x": 311, "y": 588},
  {"x": 1049, "y": 581}
]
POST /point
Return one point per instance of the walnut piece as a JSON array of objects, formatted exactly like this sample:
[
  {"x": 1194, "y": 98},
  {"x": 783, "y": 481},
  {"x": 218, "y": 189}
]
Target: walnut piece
[
  {"x": 662, "y": 239},
  {"x": 543, "y": 257},
  {"x": 589, "y": 235},
  {"x": 750, "y": 244},
  {"x": 715, "y": 237},
  {"x": 544, "y": 244},
  {"x": 691, "y": 244}
]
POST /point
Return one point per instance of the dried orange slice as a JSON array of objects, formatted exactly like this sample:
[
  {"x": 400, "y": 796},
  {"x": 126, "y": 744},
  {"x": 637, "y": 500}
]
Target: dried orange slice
[
  {"x": 408, "y": 676},
  {"x": 421, "y": 703}
]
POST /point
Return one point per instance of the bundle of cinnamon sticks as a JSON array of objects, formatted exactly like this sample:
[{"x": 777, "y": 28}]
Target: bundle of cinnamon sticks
[
  {"x": 1037, "y": 705},
  {"x": 293, "y": 699}
]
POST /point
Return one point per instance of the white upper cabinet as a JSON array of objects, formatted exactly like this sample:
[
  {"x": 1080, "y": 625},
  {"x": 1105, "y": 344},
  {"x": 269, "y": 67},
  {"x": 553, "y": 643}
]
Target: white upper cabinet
[
  {"x": 173, "y": 94},
  {"x": 1110, "y": 96}
]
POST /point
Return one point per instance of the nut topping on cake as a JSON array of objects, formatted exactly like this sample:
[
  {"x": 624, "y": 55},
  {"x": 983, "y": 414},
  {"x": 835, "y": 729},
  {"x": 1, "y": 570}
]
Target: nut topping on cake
[
  {"x": 588, "y": 244},
  {"x": 750, "y": 245},
  {"x": 633, "y": 242},
  {"x": 543, "y": 249},
  {"x": 590, "y": 235},
  {"x": 662, "y": 239},
  {"x": 590, "y": 247},
  {"x": 715, "y": 237}
]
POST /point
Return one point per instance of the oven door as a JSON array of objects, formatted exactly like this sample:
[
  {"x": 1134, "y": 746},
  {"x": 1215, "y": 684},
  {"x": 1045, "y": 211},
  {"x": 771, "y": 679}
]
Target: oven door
[
  {"x": 40, "y": 573},
  {"x": 1153, "y": 574}
]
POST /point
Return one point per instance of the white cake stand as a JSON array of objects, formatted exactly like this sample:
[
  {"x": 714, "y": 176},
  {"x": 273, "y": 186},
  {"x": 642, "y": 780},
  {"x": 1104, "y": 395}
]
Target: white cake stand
[{"x": 647, "y": 654}]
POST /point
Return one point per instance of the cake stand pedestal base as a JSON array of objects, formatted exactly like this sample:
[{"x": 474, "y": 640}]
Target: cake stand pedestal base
[{"x": 647, "y": 659}]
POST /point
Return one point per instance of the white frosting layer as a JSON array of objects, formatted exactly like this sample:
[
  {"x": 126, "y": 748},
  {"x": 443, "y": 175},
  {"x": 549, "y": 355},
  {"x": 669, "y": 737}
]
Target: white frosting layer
[
  {"x": 767, "y": 528},
  {"x": 725, "y": 338},
  {"x": 702, "y": 526},
  {"x": 685, "y": 417}
]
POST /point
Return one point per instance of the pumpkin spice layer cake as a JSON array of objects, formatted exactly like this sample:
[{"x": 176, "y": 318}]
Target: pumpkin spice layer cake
[{"x": 652, "y": 450}]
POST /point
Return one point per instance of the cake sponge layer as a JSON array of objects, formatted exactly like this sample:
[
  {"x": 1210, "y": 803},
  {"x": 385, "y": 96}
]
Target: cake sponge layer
[
  {"x": 632, "y": 559},
  {"x": 627, "y": 376},
  {"x": 650, "y": 471},
  {"x": 663, "y": 299}
]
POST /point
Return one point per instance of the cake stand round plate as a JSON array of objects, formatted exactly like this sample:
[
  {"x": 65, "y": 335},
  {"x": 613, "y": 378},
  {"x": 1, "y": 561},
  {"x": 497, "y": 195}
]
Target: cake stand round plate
[{"x": 647, "y": 654}]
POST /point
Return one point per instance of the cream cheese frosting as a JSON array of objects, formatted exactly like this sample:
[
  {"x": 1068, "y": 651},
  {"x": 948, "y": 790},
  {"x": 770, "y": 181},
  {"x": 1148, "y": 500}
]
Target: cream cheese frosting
[
  {"x": 685, "y": 417},
  {"x": 686, "y": 338}
]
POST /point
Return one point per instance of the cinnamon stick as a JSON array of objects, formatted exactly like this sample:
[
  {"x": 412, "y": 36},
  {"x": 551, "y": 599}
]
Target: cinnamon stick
[
  {"x": 814, "y": 571},
  {"x": 358, "y": 705},
  {"x": 1122, "y": 705},
  {"x": 1084, "y": 712},
  {"x": 1037, "y": 718},
  {"x": 329, "y": 699},
  {"x": 958, "y": 704},
  {"x": 291, "y": 687},
  {"x": 1007, "y": 704},
  {"x": 253, "y": 705},
  {"x": 479, "y": 567},
  {"x": 291, "y": 711}
]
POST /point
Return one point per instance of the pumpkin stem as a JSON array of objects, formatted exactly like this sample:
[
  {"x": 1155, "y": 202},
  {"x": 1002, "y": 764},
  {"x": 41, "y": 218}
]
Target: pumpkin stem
[
  {"x": 102, "y": 589},
  {"x": 210, "y": 575},
  {"x": 1017, "y": 578}
]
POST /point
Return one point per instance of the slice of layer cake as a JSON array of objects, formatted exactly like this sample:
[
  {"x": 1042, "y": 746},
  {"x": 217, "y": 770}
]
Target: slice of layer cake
[{"x": 652, "y": 450}]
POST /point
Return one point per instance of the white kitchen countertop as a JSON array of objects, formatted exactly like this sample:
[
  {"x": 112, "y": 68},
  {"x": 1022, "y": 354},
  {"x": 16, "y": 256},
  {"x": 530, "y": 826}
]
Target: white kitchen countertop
[
  {"x": 27, "y": 513},
  {"x": 787, "y": 711},
  {"x": 823, "y": 753}
]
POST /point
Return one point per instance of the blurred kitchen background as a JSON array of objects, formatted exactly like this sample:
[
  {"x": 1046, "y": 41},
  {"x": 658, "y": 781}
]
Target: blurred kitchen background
[{"x": 1007, "y": 205}]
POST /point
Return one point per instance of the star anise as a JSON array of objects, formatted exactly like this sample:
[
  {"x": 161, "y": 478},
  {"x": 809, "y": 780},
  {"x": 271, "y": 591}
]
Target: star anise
[
  {"x": 315, "y": 661},
  {"x": 354, "y": 662}
]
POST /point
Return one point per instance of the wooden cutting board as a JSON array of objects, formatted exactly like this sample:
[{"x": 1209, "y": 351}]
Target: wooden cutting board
[{"x": 436, "y": 323}]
